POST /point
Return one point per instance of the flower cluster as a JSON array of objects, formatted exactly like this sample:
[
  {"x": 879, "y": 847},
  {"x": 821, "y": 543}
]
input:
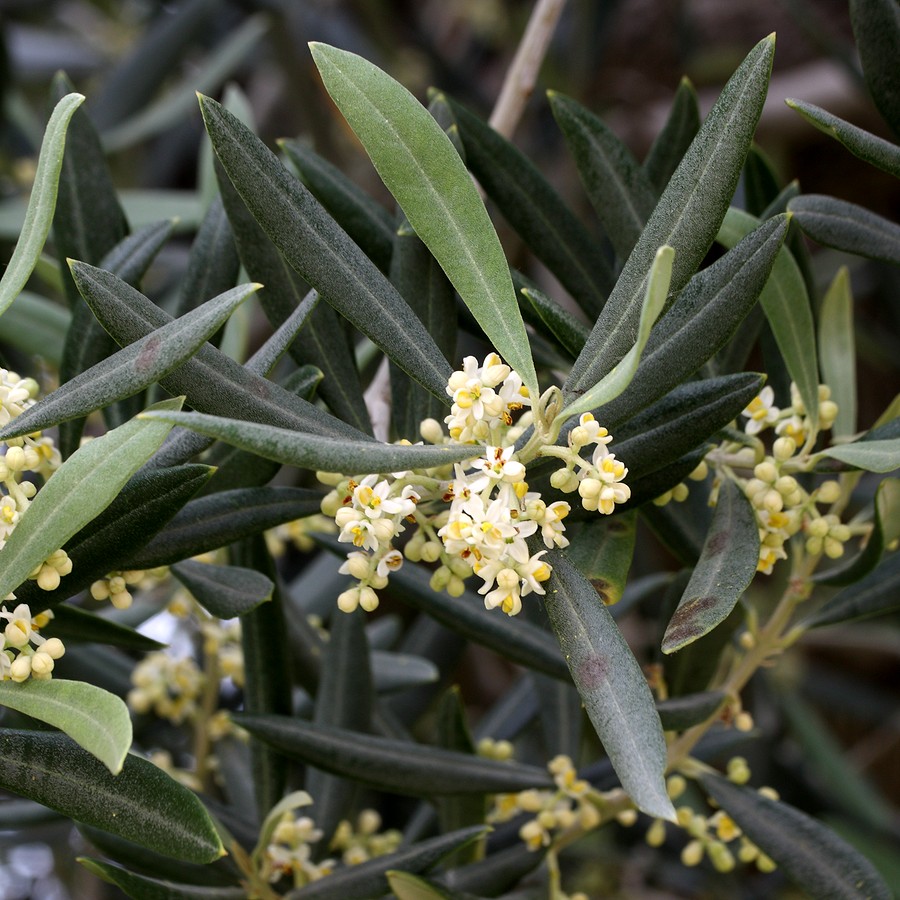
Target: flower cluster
[
  {"x": 24, "y": 652},
  {"x": 289, "y": 852},
  {"x": 475, "y": 518},
  {"x": 168, "y": 686},
  {"x": 365, "y": 840},
  {"x": 551, "y": 812},
  {"x": 792, "y": 422},
  {"x": 715, "y": 836}
]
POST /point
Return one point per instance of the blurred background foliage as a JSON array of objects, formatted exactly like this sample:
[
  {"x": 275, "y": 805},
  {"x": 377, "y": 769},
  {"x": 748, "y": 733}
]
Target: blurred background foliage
[{"x": 829, "y": 713}]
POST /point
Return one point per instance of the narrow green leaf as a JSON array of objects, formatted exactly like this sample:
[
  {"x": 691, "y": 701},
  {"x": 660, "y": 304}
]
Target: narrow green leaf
[
  {"x": 876, "y": 594},
  {"x": 220, "y": 519},
  {"x": 107, "y": 543},
  {"x": 42, "y": 203},
  {"x": 369, "y": 879},
  {"x": 392, "y": 672},
  {"x": 500, "y": 871},
  {"x": 876, "y": 27},
  {"x": 224, "y": 591},
  {"x": 319, "y": 249},
  {"x": 142, "y": 803},
  {"x": 867, "y": 146},
  {"x": 613, "y": 687},
  {"x": 785, "y": 302},
  {"x": 132, "y": 256},
  {"x": 367, "y": 222},
  {"x": 211, "y": 382},
  {"x": 571, "y": 332},
  {"x": 374, "y": 760},
  {"x": 681, "y": 713},
  {"x": 873, "y": 456},
  {"x": 837, "y": 351},
  {"x": 422, "y": 169},
  {"x": 141, "y": 887},
  {"x": 311, "y": 451},
  {"x": 619, "y": 377},
  {"x": 702, "y": 319},
  {"x": 36, "y": 327},
  {"x": 602, "y": 551},
  {"x": 131, "y": 369},
  {"x": 80, "y": 489},
  {"x": 76, "y": 625},
  {"x": 616, "y": 185},
  {"x": 519, "y": 641},
  {"x": 726, "y": 568},
  {"x": 673, "y": 140},
  {"x": 687, "y": 216},
  {"x": 848, "y": 227},
  {"x": 761, "y": 183},
  {"x": 536, "y": 211},
  {"x": 811, "y": 855},
  {"x": 96, "y": 720}
]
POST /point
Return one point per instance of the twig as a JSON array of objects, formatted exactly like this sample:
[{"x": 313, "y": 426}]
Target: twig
[{"x": 522, "y": 74}]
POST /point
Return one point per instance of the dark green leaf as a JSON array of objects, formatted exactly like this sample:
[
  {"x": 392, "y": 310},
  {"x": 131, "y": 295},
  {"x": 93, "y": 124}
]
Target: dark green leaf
[
  {"x": 613, "y": 687},
  {"x": 672, "y": 142},
  {"x": 132, "y": 368},
  {"x": 498, "y": 872},
  {"x": 812, "y": 856},
  {"x": 602, "y": 550},
  {"x": 368, "y": 223},
  {"x": 875, "y": 150},
  {"x": 141, "y": 803},
  {"x": 224, "y": 591},
  {"x": 536, "y": 211},
  {"x": 876, "y": 594},
  {"x": 71, "y": 623},
  {"x": 140, "y": 887},
  {"x": 681, "y": 713},
  {"x": 687, "y": 216},
  {"x": 217, "y": 520},
  {"x": 211, "y": 381},
  {"x": 402, "y": 767},
  {"x": 876, "y": 27},
  {"x": 570, "y": 331},
  {"x": 315, "y": 245},
  {"x": 617, "y": 187},
  {"x": 846, "y": 226},
  {"x": 369, "y": 879},
  {"x": 726, "y": 568}
]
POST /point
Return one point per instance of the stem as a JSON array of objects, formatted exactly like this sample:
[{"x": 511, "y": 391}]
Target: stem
[
  {"x": 208, "y": 706},
  {"x": 522, "y": 74}
]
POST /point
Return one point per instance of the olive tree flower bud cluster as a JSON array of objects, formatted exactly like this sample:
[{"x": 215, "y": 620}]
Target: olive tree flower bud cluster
[{"x": 473, "y": 518}]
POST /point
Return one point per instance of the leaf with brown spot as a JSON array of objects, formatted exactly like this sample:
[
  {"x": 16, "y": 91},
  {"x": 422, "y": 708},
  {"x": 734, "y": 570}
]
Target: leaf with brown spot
[
  {"x": 725, "y": 569},
  {"x": 601, "y": 549}
]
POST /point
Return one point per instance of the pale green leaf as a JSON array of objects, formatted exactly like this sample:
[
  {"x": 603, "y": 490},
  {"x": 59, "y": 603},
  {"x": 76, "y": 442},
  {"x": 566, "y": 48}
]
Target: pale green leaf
[
  {"x": 785, "y": 302},
  {"x": 42, "y": 203},
  {"x": 837, "y": 351},
  {"x": 79, "y": 490},
  {"x": 725, "y": 569},
  {"x": 311, "y": 451},
  {"x": 421, "y": 168},
  {"x": 615, "y": 381},
  {"x": 873, "y": 456},
  {"x": 95, "y": 719}
]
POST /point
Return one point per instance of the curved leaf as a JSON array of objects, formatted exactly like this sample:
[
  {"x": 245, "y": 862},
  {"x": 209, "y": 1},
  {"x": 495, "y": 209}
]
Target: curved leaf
[
  {"x": 376, "y": 761},
  {"x": 876, "y": 594},
  {"x": 616, "y": 696},
  {"x": 142, "y": 803},
  {"x": 224, "y": 591},
  {"x": 85, "y": 484},
  {"x": 421, "y": 168},
  {"x": 312, "y": 451},
  {"x": 814, "y": 858},
  {"x": 321, "y": 251},
  {"x": 41, "y": 204},
  {"x": 95, "y": 719},
  {"x": 785, "y": 302},
  {"x": 876, "y": 27},
  {"x": 132, "y": 368},
  {"x": 847, "y": 226},
  {"x": 875, "y": 150},
  {"x": 687, "y": 216},
  {"x": 726, "y": 568}
]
